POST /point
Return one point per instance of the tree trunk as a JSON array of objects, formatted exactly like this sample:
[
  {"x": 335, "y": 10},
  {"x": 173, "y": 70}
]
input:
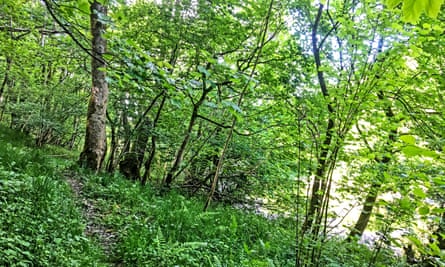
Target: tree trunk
[
  {"x": 111, "y": 158},
  {"x": 3, "y": 86},
  {"x": 324, "y": 160},
  {"x": 372, "y": 195},
  {"x": 95, "y": 145},
  {"x": 128, "y": 134},
  {"x": 73, "y": 138},
  {"x": 5, "y": 78},
  {"x": 130, "y": 166},
  {"x": 365, "y": 215},
  {"x": 151, "y": 156},
  {"x": 180, "y": 153}
]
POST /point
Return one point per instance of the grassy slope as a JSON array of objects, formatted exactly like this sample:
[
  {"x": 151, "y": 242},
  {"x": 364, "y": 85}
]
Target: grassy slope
[{"x": 41, "y": 222}]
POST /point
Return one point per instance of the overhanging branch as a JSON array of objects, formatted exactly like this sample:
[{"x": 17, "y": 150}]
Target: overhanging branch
[{"x": 70, "y": 34}]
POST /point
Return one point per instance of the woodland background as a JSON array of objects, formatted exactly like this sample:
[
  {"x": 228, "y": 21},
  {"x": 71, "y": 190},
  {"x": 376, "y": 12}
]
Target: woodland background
[{"x": 327, "y": 118}]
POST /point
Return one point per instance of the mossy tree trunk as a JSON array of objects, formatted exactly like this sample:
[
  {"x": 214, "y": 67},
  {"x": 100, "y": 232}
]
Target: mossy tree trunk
[{"x": 132, "y": 161}]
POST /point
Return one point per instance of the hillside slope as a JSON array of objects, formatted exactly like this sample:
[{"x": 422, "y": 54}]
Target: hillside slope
[{"x": 55, "y": 214}]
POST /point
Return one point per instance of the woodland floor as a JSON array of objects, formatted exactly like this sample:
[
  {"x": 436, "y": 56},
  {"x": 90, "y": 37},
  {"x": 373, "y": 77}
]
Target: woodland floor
[{"x": 105, "y": 237}]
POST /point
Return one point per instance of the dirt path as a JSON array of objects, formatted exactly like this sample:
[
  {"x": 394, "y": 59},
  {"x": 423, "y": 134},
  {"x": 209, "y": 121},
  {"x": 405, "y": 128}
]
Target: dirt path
[{"x": 105, "y": 237}]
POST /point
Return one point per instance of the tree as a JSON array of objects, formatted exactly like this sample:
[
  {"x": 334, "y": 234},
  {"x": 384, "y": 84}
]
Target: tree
[
  {"x": 345, "y": 41},
  {"x": 382, "y": 159},
  {"x": 95, "y": 145},
  {"x": 44, "y": 101}
]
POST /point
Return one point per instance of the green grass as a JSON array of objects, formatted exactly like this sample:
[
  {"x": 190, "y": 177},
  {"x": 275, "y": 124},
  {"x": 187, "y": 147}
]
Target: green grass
[{"x": 41, "y": 222}]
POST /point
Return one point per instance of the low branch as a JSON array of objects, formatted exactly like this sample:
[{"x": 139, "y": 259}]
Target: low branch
[{"x": 214, "y": 122}]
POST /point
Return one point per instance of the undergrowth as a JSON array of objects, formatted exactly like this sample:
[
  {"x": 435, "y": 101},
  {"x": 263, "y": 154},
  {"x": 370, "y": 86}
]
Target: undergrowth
[
  {"x": 41, "y": 222},
  {"x": 172, "y": 230}
]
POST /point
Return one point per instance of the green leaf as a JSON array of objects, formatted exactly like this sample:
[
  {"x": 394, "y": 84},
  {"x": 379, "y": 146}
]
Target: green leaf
[
  {"x": 429, "y": 153},
  {"x": 176, "y": 103},
  {"x": 405, "y": 203},
  {"x": 409, "y": 139},
  {"x": 433, "y": 7},
  {"x": 234, "y": 225},
  {"x": 393, "y": 3},
  {"x": 412, "y": 9},
  {"x": 437, "y": 210},
  {"x": 439, "y": 180},
  {"x": 84, "y": 6},
  {"x": 418, "y": 192},
  {"x": 24, "y": 243},
  {"x": 434, "y": 249},
  {"x": 411, "y": 151},
  {"x": 210, "y": 104},
  {"x": 424, "y": 210},
  {"x": 246, "y": 248},
  {"x": 204, "y": 71},
  {"x": 234, "y": 106},
  {"x": 417, "y": 243}
]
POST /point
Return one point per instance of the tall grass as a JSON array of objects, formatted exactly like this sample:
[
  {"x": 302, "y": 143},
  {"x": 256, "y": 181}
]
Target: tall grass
[{"x": 172, "y": 230}]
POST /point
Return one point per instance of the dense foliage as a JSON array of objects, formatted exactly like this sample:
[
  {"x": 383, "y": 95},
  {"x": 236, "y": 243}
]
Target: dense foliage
[
  {"x": 43, "y": 225},
  {"x": 325, "y": 117}
]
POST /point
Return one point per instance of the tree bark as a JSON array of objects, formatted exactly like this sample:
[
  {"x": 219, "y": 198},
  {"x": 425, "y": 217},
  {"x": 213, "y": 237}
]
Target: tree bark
[
  {"x": 366, "y": 212},
  {"x": 112, "y": 154},
  {"x": 5, "y": 78},
  {"x": 180, "y": 153},
  {"x": 3, "y": 85},
  {"x": 95, "y": 145},
  {"x": 131, "y": 164}
]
